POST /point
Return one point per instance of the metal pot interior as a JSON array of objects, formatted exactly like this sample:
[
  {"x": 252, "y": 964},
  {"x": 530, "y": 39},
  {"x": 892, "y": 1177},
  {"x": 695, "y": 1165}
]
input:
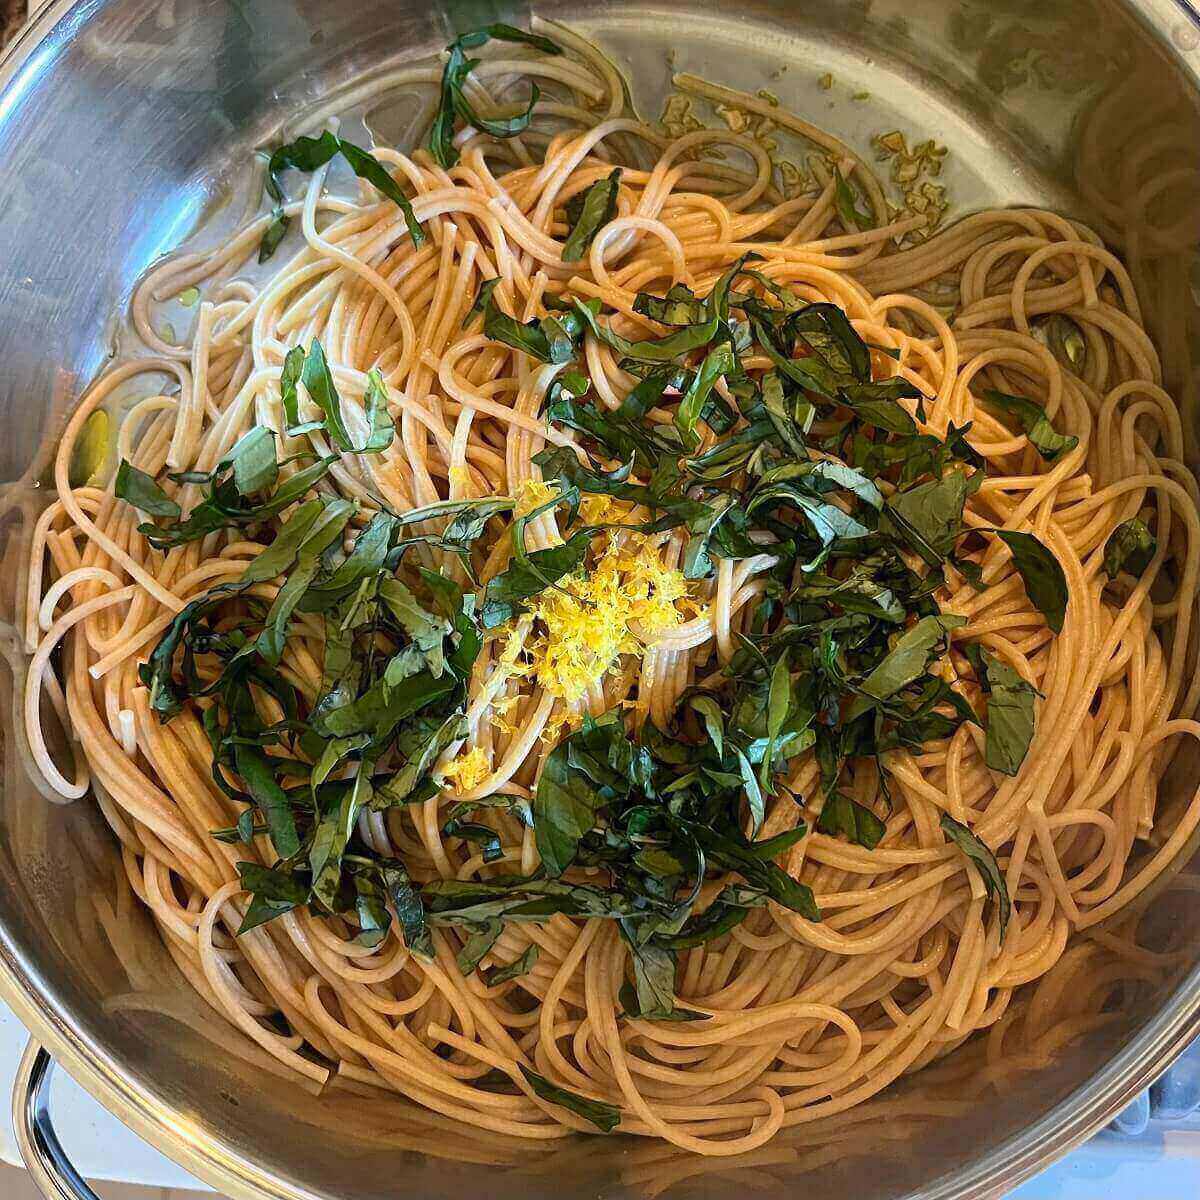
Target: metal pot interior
[{"x": 120, "y": 132}]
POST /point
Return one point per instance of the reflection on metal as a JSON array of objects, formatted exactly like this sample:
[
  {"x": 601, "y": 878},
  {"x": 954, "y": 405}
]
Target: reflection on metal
[
  {"x": 118, "y": 127},
  {"x": 41, "y": 1152}
]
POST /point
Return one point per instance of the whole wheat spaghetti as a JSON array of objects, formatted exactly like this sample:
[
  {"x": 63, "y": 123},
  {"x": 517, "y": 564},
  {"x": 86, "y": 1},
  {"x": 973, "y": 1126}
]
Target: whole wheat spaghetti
[{"x": 794, "y": 1018}]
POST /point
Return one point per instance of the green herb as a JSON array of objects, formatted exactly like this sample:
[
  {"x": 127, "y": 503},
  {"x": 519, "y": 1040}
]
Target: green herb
[
  {"x": 270, "y": 798},
  {"x": 846, "y": 204},
  {"x": 928, "y": 517},
  {"x": 654, "y": 978},
  {"x": 140, "y": 490},
  {"x": 534, "y": 574},
  {"x": 662, "y": 350},
  {"x": 1130, "y": 547},
  {"x": 1044, "y": 438},
  {"x": 566, "y": 802},
  {"x": 480, "y": 303},
  {"x": 478, "y": 944},
  {"x": 628, "y": 997},
  {"x": 841, "y": 814},
  {"x": 455, "y": 104},
  {"x": 310, "y": 154},
  {"x": 1045, "y": 581},
  {"x": 985, "y": 860},
  {"x": 680, "y": 306},
  {"x": 379, "y": 419},
  {"x": 716, "y": 364},
  {"x": 516, "y": 968},
  {"x": 318, "y": 382},
  {"x": 549, "y": 339},
  {"x": 911, "y": 654},
  {"x": 597, "y": 207},
  {"x": 606, "y": 1117},
  {"x": 1010, "y": 715}
]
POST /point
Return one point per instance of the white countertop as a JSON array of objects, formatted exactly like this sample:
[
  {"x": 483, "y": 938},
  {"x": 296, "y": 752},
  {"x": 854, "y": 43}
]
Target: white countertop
[{"x": 98, "y": 1144}]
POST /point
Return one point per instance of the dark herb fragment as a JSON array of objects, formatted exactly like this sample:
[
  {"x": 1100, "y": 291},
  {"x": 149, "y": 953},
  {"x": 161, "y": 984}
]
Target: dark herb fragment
[
  {"x": 842, "y": 814},
  {"x": 1045, "y": 580},
  {"x": 595, "y": 209},
  {"x": 455, "y": 104},
  {"x": 985, "y": 860},
  {"x": 140, "y": 490},
  {"x": 1034, "y": 423},
  {"x": 846, "y": 204},
  {"x": 1130, "y": 547},
  {"x": 309, "y": 154},
  {"x": 1010, "y": 716},
  {"x": 606, "y": 1117}
]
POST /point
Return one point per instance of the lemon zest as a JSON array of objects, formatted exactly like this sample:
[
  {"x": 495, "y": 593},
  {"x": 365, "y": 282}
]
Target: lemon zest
[
  {"x": 468, "y": 770},
  {"x": 584, "y": 625},
  {"x": 532, "y": 494}
]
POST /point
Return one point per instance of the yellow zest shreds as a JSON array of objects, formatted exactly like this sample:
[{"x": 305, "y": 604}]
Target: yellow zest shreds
[
  {"x": 595, "y": 509},
  {"x": 532, "y": 494},
  {"x": 584, "y": 625},
  {"x": 467, "y": 771},
  {"x": 460, "y": 477}
]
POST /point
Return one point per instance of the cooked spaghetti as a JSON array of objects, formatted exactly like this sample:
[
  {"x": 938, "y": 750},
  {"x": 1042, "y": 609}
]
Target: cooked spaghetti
[{"x": 781, "y": 665}]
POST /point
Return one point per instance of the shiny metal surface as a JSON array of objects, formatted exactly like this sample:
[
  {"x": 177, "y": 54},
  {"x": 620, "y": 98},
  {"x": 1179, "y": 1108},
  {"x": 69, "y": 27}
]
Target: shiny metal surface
[
  {"x": 121, "y": 123},
  {"x": 41, "y": 1152}
]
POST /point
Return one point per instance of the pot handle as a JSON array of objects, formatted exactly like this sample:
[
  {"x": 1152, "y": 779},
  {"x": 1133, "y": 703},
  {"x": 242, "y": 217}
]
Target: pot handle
[{"x": 40, "y": 1148}]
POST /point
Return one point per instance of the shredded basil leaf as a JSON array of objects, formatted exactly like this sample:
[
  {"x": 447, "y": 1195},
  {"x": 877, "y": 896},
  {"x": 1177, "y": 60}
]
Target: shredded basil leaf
[
  {"x": 1010, "y": 716},
  {"x": 455, "y": 104},
  {"x": 139, "y": 489},
  {"x": 842, "y": 814},
  {"x": 1042, "y": 435},
  {"x": 846, "y": 204},
  {"x": 515, "y": 969},
  {"x": 309, "y": 154},
  {"x": 606, "y": 1117},
  {"x": 985, "y": 860},
  {"x": 597, "y": 208},
  {"x": 1130, "y": 547},
  {"x": 1045, "y": 580}
]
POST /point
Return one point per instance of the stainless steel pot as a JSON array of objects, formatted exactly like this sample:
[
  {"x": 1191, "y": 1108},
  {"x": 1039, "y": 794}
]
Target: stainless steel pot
[{"x": 119, "y": 120}]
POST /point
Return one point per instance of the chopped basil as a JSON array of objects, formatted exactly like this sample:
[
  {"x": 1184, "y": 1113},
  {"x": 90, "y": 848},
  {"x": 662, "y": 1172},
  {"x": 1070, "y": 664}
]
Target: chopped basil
[
  {"x": 309, "y": 154},
  {"x": 1045, "y": 580},
  {"x": 480, "y": 303},
  {"x": 606, "y": 1117},
  {"x": 596, "y": 208},
  {"x": 841, "y": 814},
  {"x": 515, "y": 969},
  {"x": 1130, "y": 547},
  {"x": 455, "y": 104},
  {"x": 140, "y": 490},
  {"x": 1010, "y": 716},
  {"x": 476, "y": 947},
  {"x": 1042, "y": 435},
  {"x": 985, "y": 860},
  {"x": 846, "y": 204},
  {"x": 907, "y": 660}
]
